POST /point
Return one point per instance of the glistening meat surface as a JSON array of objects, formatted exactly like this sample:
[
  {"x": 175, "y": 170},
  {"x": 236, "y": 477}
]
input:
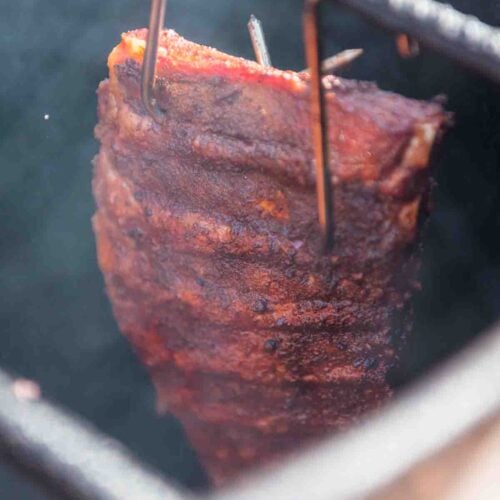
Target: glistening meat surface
[{"x": 208, "y": 239}]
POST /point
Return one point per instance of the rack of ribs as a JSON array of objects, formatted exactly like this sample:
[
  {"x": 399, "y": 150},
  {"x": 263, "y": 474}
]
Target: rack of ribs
[{"x": 208, "y": 239}]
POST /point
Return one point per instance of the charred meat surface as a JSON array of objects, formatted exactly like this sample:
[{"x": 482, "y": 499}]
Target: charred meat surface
[{"x": 208, "y": 239}]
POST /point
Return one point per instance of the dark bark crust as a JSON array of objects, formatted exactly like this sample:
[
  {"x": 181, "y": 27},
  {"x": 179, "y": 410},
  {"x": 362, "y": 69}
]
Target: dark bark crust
[{"x": 208, "y": 239}]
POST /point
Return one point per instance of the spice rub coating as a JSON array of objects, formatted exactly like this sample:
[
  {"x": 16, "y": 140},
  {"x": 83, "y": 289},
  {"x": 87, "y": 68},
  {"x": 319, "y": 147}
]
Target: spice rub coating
[{"x": 208, "y": 239}]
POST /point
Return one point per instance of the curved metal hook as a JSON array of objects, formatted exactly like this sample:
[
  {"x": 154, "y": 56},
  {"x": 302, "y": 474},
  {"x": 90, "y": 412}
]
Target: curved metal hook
[
  {"x": 319, "y": 122},
  {"x": 156, "y": 20}
]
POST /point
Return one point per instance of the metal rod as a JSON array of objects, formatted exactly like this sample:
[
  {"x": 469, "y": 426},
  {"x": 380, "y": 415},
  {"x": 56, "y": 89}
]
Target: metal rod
[
  {"x": 461, "y": 37},
  {"x": 156, "y": 20},
  {"x": 338, "y": 61},
  {"x": 68, "y": 454},
  {"x": 319, "y": 123},
  {"x": 259, "y": 41}
]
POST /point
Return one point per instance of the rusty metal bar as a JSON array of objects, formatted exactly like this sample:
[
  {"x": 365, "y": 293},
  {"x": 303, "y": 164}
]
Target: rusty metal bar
[
  {"x": 461, "y": 37},
  {"x": 319, "y": 123}
]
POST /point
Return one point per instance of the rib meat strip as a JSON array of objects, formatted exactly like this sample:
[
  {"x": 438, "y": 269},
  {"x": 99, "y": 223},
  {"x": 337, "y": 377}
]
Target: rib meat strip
[{"x": 208, "y": 239}]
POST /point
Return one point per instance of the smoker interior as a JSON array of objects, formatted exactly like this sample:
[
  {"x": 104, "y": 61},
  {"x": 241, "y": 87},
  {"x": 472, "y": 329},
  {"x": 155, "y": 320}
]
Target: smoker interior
[{"x": 57, "y": 326}]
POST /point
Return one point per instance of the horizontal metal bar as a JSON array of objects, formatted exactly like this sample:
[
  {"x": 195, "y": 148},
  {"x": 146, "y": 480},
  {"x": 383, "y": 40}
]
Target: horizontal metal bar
[
  {"x": 461, "y": 37},
  {"x": 453, "y": 400},
  {"x": 69, "y": 454}
]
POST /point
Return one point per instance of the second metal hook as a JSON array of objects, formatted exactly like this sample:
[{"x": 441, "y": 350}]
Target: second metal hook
[
  {"x": 156, "y": 20},
  {"x": 319, "y": 123}
]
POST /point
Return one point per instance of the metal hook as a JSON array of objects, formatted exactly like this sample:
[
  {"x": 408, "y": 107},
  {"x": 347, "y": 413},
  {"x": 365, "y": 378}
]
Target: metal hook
[
  {"x": 156, "y": 20},
  {"x": 319, "y": 123},
  {"x": 318, "y": 114},
  {"x": 435, "y": 24}
]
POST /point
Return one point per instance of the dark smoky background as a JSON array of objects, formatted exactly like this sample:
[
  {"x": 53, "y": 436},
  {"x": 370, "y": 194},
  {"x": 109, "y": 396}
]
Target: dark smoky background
[{"x": 57, "y": 326}]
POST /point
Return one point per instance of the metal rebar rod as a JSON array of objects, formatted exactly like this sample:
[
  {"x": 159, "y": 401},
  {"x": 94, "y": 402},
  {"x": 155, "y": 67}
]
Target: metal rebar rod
[{"x": 461, "y": 37}]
